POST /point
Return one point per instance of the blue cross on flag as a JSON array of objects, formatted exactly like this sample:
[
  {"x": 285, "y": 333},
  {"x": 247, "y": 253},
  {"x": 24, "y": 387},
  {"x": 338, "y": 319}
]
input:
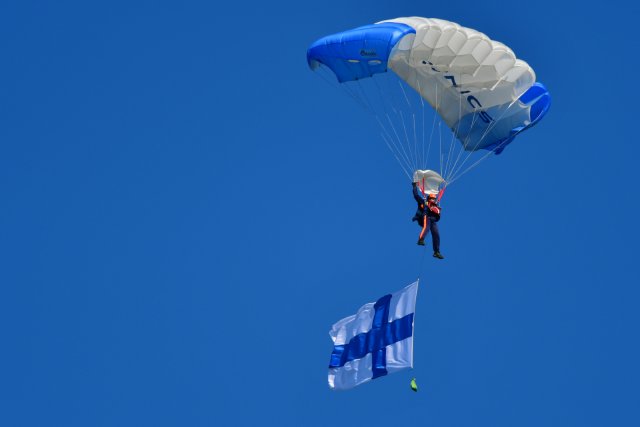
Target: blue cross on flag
[{"x": 376, "y": 341}]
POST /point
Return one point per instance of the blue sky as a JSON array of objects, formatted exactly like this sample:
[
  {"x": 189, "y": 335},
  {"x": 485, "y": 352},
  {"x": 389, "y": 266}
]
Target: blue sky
[{"x": 183, "y": 221}]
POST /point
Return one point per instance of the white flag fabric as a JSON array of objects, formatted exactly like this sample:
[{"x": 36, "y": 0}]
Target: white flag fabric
[{"x": 376, "y": 341}]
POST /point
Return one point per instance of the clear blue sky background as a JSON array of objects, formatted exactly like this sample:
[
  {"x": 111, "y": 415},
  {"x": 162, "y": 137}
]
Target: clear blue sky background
[{"x": 181, "y": 222}]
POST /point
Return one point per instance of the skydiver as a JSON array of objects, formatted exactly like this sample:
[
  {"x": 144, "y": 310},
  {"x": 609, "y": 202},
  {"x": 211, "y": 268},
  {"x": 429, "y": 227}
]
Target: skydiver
[{"x": 427, "y": 215}]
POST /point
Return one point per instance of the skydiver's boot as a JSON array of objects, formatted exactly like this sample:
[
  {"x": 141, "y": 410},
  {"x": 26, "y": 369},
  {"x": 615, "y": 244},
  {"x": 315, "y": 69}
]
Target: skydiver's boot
[
  {"x": 421, "y": 242},
  {"x": 437, "y": 255}
]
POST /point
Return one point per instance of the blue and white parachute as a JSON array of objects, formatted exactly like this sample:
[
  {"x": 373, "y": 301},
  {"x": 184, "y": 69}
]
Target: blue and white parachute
[{"x": 478, "y": 87}]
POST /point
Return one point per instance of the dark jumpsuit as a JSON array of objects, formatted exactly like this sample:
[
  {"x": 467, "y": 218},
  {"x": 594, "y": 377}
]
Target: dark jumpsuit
[{"x": 432, "y": 218}]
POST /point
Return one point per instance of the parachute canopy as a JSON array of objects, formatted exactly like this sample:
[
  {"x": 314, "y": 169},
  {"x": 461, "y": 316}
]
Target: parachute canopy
[{"x": 478, "y": 87}]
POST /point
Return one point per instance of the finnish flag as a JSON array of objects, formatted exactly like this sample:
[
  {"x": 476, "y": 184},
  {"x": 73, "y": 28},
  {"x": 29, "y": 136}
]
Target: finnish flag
[{"x": 376, "y": 341}]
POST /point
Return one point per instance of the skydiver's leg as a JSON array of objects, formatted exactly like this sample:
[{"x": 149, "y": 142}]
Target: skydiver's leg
[
  {"x": 435, "y": 236},
  {"x": 425, "y": 228},
  {"x": 422, "y": 222}
]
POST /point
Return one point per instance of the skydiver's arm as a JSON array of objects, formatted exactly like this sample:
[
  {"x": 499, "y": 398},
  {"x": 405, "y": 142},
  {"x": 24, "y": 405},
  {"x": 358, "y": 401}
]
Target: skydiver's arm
[{"x": 416, "y": 194}]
